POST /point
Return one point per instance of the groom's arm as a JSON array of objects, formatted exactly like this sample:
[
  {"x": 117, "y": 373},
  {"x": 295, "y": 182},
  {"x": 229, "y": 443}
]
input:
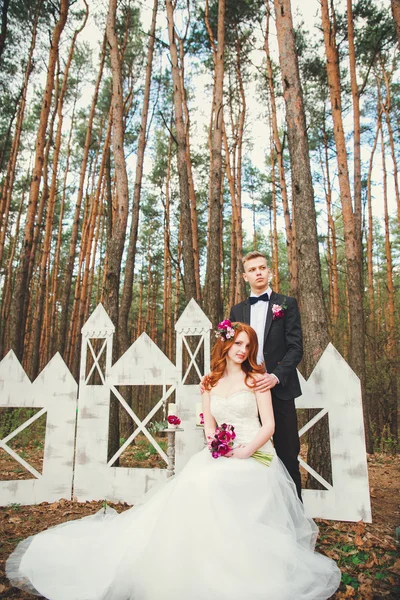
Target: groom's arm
[{"x": 293, "y": 342}]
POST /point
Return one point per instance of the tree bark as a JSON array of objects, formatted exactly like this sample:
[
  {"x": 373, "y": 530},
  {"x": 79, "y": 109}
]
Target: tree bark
[
  {"x": 115, "y": 245},
  {"x": 352, "y": 249},
  {"x": 192, "y": 192},
  {"x": 391, "y": 400},
  {"x": 212, "y": 290},
  {"x": 387, "y": 109},
  {"x": 69, "y": 266},
  {"x": 290, "y": 241},
  {"x": 315, "y": 326},
  {"x": 355, "y": 94},
  {"x": 370, "y": 324},
  {"x": 126, "y": 297},
  {"x": 189, "y": 278},
  {"x": 4, "y": 21},
  {"x": 396, "y": 15}
]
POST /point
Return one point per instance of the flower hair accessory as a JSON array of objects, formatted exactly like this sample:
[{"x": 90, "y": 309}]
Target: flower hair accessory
[{"x": 225, "y": 330}]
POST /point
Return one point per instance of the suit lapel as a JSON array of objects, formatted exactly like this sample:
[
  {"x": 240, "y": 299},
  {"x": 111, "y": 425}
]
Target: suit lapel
[
  {"x": 268, "y": 322},
  {"x": 246, "y": 312}
]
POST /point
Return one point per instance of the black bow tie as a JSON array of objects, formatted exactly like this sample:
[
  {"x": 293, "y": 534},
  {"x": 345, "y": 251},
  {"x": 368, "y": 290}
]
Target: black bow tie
[{"x": 263, "y": 297}]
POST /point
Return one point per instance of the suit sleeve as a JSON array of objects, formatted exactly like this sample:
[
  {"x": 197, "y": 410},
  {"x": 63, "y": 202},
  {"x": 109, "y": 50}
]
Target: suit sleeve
[{"x": 293, "y": 342}]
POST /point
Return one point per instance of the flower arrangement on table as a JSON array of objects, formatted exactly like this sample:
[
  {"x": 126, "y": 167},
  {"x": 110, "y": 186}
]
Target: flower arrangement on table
[
  {"x": 222, "y": 442},
  {"x": 173, "y": 420}
]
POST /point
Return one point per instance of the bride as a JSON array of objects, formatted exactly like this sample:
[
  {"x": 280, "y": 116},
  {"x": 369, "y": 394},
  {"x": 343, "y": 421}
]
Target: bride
[{"x": 226, "y": 528}]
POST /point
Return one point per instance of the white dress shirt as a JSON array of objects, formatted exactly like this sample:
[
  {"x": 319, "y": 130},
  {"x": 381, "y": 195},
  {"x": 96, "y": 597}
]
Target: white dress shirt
[{"x": 258, "y": 317}]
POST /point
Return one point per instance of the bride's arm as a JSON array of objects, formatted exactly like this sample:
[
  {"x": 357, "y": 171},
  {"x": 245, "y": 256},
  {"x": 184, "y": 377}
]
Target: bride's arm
[
  {"x": 209, "y": 421},
  {"x": 264, "y": 403}
]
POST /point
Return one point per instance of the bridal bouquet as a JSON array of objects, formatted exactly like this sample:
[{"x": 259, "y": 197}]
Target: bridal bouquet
[{"x": 222, "y": 442}]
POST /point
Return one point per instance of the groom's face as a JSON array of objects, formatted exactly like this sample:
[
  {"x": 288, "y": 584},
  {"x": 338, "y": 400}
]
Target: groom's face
[{"x": 257, "y": 273}]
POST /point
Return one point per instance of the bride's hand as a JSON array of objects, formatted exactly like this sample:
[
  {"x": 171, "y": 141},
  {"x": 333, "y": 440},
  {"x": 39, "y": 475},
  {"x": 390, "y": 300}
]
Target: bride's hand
[{"x": 238, "y": 452}]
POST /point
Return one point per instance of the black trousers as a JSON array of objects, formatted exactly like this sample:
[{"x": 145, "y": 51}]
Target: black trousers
[{"x": 286, "y": 437}]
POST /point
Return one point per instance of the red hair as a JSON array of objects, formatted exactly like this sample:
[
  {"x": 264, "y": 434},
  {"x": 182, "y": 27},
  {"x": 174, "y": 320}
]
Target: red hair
[{"x": 220, "y": 351}]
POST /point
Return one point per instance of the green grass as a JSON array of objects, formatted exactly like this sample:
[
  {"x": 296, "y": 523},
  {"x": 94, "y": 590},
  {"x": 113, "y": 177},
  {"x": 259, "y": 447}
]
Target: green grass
[{"x": 349, "y": 580}]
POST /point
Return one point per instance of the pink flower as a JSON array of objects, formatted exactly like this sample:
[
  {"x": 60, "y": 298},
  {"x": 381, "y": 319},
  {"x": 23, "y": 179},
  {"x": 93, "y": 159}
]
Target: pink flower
[
  {"x": 201, "y": 418},
  {"x": 226, "y": 324},
  {"x": 278, "y": 311}
]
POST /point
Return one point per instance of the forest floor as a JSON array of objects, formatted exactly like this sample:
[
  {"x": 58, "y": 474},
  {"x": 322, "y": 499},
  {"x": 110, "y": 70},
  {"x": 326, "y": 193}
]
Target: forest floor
[{"x": 367, "y": 554}]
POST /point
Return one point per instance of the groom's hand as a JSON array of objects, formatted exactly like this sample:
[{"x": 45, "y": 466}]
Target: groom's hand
[{"x": 266, "y": 382}]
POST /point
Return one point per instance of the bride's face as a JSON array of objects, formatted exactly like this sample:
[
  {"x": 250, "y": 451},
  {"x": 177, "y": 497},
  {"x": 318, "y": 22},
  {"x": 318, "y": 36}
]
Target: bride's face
[{"x": 239, "y": 350}]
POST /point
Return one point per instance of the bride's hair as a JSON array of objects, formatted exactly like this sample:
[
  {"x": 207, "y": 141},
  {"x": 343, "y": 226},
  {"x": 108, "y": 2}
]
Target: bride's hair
[{"x": 221, "y": 349}]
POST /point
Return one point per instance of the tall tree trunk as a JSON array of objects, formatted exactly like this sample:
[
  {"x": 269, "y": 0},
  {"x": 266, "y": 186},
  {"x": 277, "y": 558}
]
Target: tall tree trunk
[
  {"x": 192, "y": 193},
  {"x": 21, "y": 292},
  {"x": 8, "y": 283},
  {"x": 8, "y": 185},
  {"x": 240, "y": 291},
  {"x": 4, "y": 20},
  {"x": 396, "y": 15},
  {"x": 126, "y": 297},
  {"x": 273, "y": 226},
  {"x": 352, "y": 249},
  {"x": 212, "y": 290},
  {"x": 355, "y": 94},
  {"x": 55, "y": 292},
  {"x": 370, "y": 325},
  {"x": 387, "y": 109},
  {"x": 115, "y": 245},
  {"x": 333, "y": 266},
  {"x": 69, "y": 267},
  {"x": 189, "y": 278},
  {"x": 392, "y": 337},
  {"x": 290, "y": 241},
  {"x": 167, "y": 297},
  {"x": 315, "y": 325}
]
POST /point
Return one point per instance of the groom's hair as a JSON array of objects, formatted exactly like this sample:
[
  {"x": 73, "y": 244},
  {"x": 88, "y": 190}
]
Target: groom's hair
[{"x": 253, "y": 254}]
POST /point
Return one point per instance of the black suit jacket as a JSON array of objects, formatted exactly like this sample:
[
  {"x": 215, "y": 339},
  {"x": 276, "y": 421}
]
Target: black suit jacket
[{"x": 283, "y": 343}]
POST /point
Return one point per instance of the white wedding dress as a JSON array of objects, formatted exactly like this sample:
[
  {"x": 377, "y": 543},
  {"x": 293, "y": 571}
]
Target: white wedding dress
[{"x": 223, "y": 529}]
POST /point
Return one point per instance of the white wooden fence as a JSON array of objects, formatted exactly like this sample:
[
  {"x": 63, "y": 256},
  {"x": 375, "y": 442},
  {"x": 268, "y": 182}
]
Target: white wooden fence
[{"x": 75, "y": 463}]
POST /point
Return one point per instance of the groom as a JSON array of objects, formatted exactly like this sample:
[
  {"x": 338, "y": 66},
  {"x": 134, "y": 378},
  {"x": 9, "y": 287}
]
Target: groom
[{"x": 276, "y": 320}]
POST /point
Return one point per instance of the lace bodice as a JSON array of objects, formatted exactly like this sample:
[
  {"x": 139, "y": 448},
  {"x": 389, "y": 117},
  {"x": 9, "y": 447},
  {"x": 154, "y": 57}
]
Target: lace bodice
[{"x": 240, "y": 410}]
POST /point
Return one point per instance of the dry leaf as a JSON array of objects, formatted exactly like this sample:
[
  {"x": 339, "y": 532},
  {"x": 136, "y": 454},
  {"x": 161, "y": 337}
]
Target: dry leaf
[
  {"x": 350, "y": 592},
  {"x": 396, "y": 567},
  {"x": 359, "y": 528},
  {"x": 358, "y": 540},
  {"x": 14, "y": 519}
]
